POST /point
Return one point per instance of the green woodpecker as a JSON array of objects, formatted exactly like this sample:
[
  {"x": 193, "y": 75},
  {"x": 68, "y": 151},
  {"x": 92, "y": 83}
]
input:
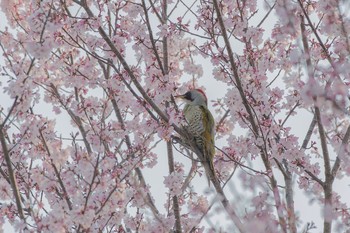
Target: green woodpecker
[{"x": 200, "y": 125}]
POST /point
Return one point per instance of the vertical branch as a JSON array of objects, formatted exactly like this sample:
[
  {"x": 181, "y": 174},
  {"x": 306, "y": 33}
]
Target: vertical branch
[
  {"x": 11, "y": 173},
  {"x": 327, "y": 187},
  {"x": 329, "y": 178},
  {"x": 290, "y": 201},
  {"x": 277, "y": 197},
  {"x": 309, "y": 133},
  {"x": 151, "y": 38},
  {"x": 169, "y": 145},
  {"x": 176, "y": 207},
  {"x": 341, "y": 151},
  {"x": 326, "y": 159}
]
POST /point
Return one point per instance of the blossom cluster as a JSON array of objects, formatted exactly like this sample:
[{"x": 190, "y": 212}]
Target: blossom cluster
[{"x": 88, "y": 110}]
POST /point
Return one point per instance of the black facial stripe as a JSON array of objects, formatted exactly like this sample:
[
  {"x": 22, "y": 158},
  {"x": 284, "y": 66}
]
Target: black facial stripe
[{"x": 188, "y": 96}]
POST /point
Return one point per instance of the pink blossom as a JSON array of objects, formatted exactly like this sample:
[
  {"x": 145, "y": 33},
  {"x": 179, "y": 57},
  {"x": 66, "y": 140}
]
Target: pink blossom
[
  {"x": 87, "y": 114},
  {"x": 174, "y": 182}
]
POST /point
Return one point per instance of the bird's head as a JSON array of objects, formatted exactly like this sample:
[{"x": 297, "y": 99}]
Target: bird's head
[{"x": 194, "y": 97}]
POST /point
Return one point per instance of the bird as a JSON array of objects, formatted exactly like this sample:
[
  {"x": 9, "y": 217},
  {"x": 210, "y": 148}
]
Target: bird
[{"x": 201, "y": 125}]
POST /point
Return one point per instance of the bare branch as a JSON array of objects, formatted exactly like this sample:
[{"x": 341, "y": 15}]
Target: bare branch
[
  {"x": 341, "y": 152},
  {"x": 12, "y": 175}
]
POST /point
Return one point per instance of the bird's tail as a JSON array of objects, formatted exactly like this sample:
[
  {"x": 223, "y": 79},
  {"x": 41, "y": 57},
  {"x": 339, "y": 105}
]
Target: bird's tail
[
  {"x": 208, "y": 175},
  {"x": 209, "y": 167}
]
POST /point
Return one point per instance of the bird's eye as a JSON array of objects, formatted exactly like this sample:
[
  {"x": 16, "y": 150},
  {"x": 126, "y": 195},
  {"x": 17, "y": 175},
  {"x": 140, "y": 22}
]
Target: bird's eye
[{"x": 188, "y": 96}]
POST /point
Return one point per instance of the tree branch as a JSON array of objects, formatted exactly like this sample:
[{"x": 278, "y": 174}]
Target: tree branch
[
  {"x": 60, "y": 181},
  {"x": 176, "y": 208},
  {"x": 341, "y": 151},
  {"x": 12, "y": 175}
]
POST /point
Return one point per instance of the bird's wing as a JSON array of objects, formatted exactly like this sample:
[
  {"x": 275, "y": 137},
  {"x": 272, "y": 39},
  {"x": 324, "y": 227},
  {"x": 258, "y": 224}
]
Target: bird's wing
[
  {"x": 209, "y": 145},
  {"x": 209, "y": 130}
]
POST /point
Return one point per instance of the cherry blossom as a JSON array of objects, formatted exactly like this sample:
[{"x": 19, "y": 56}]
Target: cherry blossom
[{"x": 93, "y": 140}]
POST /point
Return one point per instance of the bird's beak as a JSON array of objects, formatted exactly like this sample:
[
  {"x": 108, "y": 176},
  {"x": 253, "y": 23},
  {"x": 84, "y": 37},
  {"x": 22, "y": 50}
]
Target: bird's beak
[{"x": 180, "y": 96}]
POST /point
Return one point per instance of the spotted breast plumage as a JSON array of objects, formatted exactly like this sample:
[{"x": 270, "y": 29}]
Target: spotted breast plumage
[{"x": 200, "y": 125}]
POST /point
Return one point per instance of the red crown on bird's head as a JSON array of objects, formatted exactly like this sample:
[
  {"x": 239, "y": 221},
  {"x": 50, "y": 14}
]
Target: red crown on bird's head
[{"x": 203, "y": 93}]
